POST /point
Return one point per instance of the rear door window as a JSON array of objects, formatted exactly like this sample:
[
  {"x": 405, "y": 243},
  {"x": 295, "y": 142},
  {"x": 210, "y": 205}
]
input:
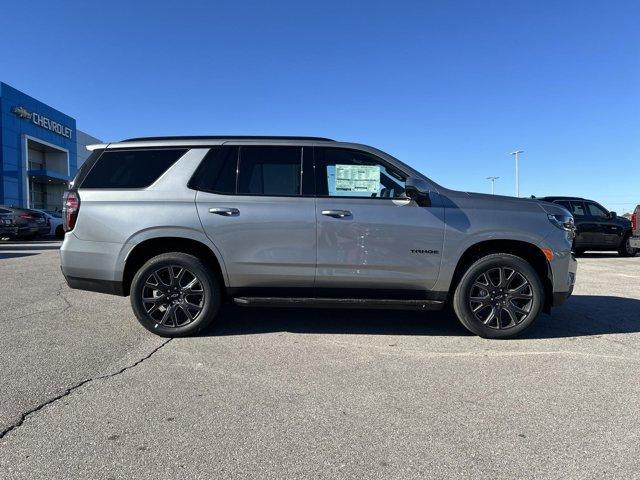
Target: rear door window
[
  {"x": 565, "y": 203},
  {"x": 271, "y": 170},
  {"x": 577, "y": 209},
  {"x": 130, "y": 168}
]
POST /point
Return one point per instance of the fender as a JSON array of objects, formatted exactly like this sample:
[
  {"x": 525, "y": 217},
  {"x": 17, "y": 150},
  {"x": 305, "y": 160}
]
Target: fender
[{"x": 166, "y": 231}]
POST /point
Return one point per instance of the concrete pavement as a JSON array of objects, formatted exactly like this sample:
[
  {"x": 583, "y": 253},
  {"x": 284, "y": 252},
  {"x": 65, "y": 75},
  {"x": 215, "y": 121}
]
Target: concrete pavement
[{"x": 87, "y": 393}]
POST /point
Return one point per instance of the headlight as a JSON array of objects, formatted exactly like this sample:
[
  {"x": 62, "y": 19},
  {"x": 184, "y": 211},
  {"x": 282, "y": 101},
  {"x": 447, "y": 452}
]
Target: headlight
[{"x": 563, "y": 222}]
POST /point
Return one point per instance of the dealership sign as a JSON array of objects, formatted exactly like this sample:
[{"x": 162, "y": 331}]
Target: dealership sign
[{"x": 42, "y": 121}]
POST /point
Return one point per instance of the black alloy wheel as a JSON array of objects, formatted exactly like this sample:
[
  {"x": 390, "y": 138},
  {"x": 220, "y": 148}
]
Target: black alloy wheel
[
  {"x": 175, "y": 294},
  {"x": 499, "y": 296}
]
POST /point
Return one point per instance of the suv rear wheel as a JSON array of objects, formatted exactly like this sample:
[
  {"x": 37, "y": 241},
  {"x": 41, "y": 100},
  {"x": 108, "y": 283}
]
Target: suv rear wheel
[
  {"x": 175, "y": 294},
  {"x": 499, "y": 296}
]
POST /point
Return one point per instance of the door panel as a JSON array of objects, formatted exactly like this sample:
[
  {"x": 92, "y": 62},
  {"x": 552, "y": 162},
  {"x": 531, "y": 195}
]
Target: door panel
[
  {"x": 263, "y": 227},
  {"x": 370, "y": 236},
  {"x": 609, "y": 231},
  {"x": 269, "y": 242},
  {"x": 588, "y": 233},
  {"x": 382, "y": 244}
]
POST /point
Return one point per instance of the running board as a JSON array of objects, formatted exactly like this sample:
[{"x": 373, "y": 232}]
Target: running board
[{"x": 338, "y": 303}]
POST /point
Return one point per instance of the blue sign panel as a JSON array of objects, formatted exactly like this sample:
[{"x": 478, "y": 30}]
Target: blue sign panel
[{"x": 24, "y": 119}]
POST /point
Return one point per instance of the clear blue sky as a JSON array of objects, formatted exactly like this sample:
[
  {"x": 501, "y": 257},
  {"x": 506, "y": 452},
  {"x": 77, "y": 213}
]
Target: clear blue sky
[{"x": 450, "y": 87}]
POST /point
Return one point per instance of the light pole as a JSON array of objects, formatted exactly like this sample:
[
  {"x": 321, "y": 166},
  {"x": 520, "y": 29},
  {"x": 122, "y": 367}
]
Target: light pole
[
  {"x": 517, "y": 154},
  {"x": 493, "y": 180}
]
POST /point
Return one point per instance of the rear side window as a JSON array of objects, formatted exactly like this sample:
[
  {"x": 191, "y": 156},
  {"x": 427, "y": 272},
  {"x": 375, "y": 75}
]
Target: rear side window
[
  {"x": 217, "y": 171},
  {"x": 270, "y": 170},
  {"x": 85, "y": 167},
  {"x": 130, "y": 168}
]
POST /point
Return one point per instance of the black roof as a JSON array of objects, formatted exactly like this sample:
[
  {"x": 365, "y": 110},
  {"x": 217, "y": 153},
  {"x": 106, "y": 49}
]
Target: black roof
[
  {"x": 229, "y": 137},
  {"x": 552, "y": 198}
]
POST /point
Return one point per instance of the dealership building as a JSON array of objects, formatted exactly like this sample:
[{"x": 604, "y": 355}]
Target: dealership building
[{"x": 40, "y": 151}]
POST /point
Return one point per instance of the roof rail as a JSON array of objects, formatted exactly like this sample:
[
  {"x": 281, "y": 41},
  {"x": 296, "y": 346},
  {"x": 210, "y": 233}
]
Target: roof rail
[{"x": 225, "y": 137}]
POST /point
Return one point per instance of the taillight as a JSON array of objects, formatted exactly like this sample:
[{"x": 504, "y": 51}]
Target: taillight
[
  {"x": 70, "y": 209},
  {"x": 634, "y": 222},
  {"x": 26, "y": 216}
]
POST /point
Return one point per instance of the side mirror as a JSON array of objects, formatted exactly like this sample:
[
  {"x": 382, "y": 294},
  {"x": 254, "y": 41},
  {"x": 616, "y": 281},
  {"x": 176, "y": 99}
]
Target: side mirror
[
  {"x": 613, "y": 214},
  {"x": 418, "y": 190}
]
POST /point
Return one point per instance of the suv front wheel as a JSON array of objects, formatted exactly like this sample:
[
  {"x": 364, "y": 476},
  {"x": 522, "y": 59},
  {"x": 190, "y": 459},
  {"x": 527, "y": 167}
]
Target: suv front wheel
[
  {"x": 499, "y": 296},
  {"x": 175, "y": 294}
]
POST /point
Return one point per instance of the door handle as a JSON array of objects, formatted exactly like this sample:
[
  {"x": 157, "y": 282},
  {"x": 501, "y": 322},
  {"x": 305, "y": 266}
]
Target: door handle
[
  {"x": 225, "y": 212},
  {"x": 336, "y": 213}
]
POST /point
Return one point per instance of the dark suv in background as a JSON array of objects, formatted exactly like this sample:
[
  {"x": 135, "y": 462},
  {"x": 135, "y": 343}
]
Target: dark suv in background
[
  {"x": 596, "y": 227},
  {"x": 30, "y": 223}
]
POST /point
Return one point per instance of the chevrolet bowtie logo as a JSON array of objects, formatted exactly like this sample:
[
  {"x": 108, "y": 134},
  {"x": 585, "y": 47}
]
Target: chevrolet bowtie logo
[{"x": 22, "y": 112}]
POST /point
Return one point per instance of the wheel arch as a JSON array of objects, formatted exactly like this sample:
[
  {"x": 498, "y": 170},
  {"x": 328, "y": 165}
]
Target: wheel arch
[
  {"x": 152, "y": 247},
  {"x": 525, "y": 250}
]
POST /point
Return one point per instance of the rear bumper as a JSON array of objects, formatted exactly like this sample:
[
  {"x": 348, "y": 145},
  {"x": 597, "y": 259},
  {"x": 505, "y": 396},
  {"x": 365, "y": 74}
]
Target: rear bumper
[
  {"x": 101, "y": 286},
  {"x": 92, "y": 266},
  {"x": 634, "y": 242}
]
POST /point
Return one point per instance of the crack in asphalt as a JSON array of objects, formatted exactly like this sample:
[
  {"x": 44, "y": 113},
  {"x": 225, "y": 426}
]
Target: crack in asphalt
[
  {"x": 58, "y": 310},
  {"x": 68, "y": 391}
]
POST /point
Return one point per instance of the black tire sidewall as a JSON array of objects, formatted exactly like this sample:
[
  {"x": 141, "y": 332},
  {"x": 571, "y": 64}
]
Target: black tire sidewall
[
  {"x": 623, "y": 250},
  {"x": 460, "y": 298},
  {"x": 210, "y": 285}
]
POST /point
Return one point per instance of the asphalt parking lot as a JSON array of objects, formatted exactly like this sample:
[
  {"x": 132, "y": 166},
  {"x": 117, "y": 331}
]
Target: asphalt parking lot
[{"x": 87, "y": 393}]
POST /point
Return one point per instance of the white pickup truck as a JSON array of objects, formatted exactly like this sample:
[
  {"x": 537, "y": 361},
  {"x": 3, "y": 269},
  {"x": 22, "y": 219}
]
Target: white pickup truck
[{"x": 634, "y": 241}]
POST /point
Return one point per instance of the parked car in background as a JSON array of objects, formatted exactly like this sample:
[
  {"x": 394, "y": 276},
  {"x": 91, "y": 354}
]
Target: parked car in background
[
  {"x": 26, "y": 221},
  {"x": 596, "y": 227},
  {"x": 634, "y": 241},
  {"x": 8, "y": 226},
  {"x": 54, "y": 220},
  {"x": 42, "y": 220}
]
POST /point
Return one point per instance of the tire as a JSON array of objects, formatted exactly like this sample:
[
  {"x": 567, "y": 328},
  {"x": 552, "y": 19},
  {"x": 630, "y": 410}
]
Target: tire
[
  {"x": 175, "y": 310},
  {"x": 512, "y": 312},
  {"x": 625, "y": 250},
  {"x": 59, "y": 232}
]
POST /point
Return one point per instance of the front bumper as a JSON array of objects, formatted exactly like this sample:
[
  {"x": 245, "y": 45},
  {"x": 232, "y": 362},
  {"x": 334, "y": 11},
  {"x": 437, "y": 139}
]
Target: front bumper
[{"x": 564, "y": 279}]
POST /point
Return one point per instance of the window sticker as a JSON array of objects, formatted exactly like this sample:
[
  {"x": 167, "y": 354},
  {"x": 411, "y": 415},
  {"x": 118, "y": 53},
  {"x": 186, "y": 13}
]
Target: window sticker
[{"x": 354, "y": 179}]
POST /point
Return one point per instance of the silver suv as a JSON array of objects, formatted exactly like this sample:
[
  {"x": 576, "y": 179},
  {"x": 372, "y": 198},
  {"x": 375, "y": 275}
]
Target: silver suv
[{"x": 182, "y": 224}]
